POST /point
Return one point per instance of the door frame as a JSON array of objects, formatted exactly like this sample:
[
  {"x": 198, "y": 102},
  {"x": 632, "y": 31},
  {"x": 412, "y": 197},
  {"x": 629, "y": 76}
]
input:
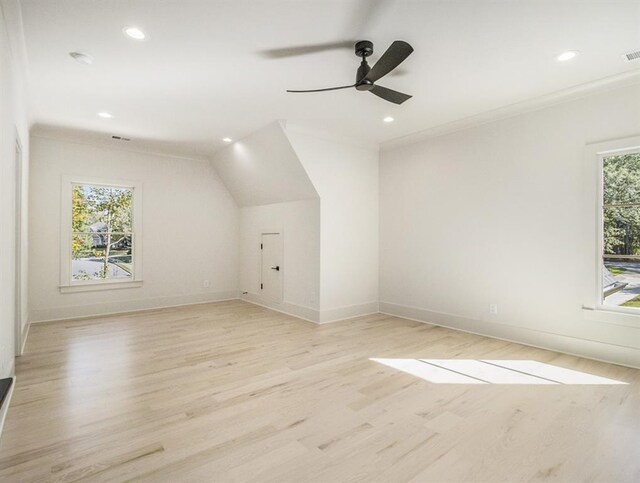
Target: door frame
[
  {"x": 18, "y": 226},
  {"x": 281, "y": 234}
]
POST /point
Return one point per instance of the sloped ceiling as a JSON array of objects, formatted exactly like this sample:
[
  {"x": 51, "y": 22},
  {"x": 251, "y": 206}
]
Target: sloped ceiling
[{"x": 263, "y": 168}]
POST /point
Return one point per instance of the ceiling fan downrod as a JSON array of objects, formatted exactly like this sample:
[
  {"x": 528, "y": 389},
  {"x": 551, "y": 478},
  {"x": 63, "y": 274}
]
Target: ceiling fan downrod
[{"x": 363, "y": 49}]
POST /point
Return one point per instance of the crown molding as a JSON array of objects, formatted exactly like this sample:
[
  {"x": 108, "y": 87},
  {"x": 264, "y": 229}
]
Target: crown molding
[
  {"x": 624, "y": 79},
  {"x": 104, "y": 140}
]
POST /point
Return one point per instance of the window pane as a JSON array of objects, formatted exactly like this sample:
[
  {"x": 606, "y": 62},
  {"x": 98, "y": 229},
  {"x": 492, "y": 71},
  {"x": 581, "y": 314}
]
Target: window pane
[
  {"x": 621, "y": 177},
  {"x": 101, "y": 256},
  {"x": 621, "y": 277},
  {"x": 622, "y": 230},
  {"x": 102, "y": 219},
  {"x": 101, "y": 209},
  {"x": 621, "y": 282}
]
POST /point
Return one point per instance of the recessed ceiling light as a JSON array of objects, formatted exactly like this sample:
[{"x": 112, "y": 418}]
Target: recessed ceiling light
[
  {"x": 81, "y": 58},
  {"x": 135, "y": 33},
  {"x": 388, "y": 119},
  {"x": 227, "y": 140},
  {"x": 568, "y": 55},
  {"x": 105, "y": 115}
]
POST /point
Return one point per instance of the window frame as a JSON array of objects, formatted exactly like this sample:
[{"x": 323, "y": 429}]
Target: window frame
[
  {"x": 67, "y": 284},
  {"x": 601, "y": 151}
]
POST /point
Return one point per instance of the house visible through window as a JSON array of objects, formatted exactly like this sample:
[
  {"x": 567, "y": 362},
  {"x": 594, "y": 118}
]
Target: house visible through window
[
  {"x": 621, "y": 230},
  {"x": 101, "y": 233}
]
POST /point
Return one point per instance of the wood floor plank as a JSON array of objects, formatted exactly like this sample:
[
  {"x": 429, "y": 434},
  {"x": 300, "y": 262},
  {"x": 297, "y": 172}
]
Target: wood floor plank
[{"x": 234, "y": 392}]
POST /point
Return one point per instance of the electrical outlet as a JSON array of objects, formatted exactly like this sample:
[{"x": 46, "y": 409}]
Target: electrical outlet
[
  {"x": 493, "y": 309},
  {"x": 206, "y": 284}
]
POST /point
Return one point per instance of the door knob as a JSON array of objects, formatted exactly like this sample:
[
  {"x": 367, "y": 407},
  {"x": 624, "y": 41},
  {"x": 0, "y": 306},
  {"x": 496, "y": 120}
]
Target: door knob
[{"x": 276, "y": 268}]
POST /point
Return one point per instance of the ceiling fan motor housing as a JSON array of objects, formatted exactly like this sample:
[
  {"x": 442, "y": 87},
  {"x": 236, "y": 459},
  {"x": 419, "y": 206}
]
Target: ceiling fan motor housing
[{"x": 363, "y": 84}]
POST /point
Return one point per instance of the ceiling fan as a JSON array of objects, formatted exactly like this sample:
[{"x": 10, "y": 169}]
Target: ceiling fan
[{"x": 366, "y": 76}]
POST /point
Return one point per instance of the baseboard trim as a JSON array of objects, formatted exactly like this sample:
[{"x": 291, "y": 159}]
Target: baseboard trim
[
  {"x": 349, "y": 312},
  {"x": 300, "y": 311},
  {"x": 313, "y": 315},
  {"x": 599, "y": 351},
  {"x": 25, "y": 334},
  {"x": 125, "y": 307},
  {"x": 5, "y": 407}
]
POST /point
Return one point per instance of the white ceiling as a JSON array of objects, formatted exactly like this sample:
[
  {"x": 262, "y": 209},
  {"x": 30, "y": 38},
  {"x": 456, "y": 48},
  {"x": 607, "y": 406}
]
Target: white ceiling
[{"x": 200, "y": 75}]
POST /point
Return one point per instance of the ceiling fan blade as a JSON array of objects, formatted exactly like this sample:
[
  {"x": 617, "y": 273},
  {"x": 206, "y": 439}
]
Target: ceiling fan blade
[
  {"x": 369, "y": 15},
  {"x": 327, "y": 89},
  {"x": 390, "y": 95},
  {"x": 392, "y": 58},
  {"x": 306, "y": 49}
]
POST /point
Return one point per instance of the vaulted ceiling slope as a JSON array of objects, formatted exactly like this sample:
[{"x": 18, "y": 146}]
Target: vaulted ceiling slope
[
  {"x": 208, "y": 69},
  {"x": 263, "y": 168}
]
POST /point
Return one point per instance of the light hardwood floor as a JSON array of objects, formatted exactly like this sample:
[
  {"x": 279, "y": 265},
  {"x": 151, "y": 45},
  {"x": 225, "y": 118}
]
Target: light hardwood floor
[{"x": 234, "y": 392}]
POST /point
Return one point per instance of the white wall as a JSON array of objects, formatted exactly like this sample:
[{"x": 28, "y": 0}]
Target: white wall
[
  {"x": 299, "y": 222},
  {"x": 13, "y": 123},
  {"x": 504, "y": 213},
  {"x": 346, "y": 179},
  {"x": 263, "y": 168},
  {"x": 190, "y": 230}
]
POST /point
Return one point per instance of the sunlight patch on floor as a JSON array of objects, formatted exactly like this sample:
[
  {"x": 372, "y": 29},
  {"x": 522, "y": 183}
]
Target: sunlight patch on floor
[{"x": 489, "y": 371}]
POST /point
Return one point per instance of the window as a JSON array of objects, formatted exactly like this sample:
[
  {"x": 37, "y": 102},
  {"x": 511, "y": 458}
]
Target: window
[
  {"x": 100, "y": 247},
  {"x": 621, "y": 230}
]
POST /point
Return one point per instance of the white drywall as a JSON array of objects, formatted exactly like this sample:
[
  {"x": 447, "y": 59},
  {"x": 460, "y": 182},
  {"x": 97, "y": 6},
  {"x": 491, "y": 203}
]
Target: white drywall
[
  {"x": 346, "y": 179},
  {"x": 189, "y": 230},
  {"x": 262, "y": 168},
  {"x": 13, "y": 124},
  {"x": 299, "y": 224},
  {"x": 504, "y": 213}
]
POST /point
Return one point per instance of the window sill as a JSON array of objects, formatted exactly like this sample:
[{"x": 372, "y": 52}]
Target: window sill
[
  {"x": 99, "y": 286},
  {"x": 612, "y": 316}
]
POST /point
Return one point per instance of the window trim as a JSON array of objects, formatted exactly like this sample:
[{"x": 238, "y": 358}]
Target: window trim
[
  {"x": 67, "y": 285},
  {"x": 599, "y": 151}
]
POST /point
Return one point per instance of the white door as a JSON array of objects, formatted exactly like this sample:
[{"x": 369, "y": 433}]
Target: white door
[{"x": 272, "y": 273}]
